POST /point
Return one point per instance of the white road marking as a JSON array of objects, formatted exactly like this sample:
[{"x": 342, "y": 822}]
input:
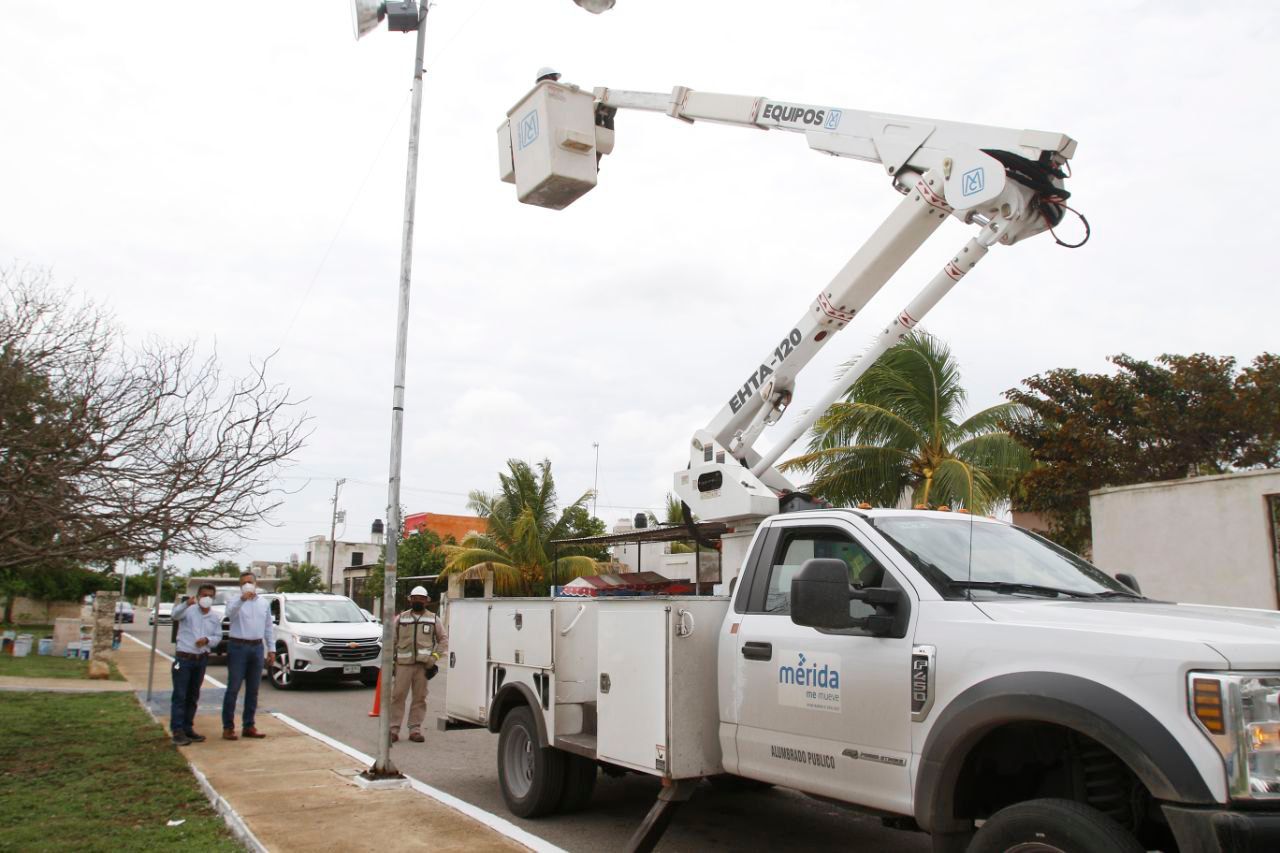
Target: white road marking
[
  {"x": 207, "y": 680},
  {"x": 498, "y": 824}
]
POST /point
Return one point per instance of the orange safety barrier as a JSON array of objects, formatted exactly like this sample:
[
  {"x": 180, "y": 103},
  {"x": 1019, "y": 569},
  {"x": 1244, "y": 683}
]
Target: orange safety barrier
[{"x": 377, "y": 697}]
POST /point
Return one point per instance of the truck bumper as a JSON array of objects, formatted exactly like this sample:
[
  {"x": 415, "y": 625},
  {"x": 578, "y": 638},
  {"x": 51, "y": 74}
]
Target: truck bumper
[{"x": 1217, "y": 830}]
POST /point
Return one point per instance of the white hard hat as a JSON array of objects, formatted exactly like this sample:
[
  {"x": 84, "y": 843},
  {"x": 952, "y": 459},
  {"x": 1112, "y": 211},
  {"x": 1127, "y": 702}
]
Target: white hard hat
[
  {"x": 546, "y": 72},
  {"x": 419, "y": 590}
]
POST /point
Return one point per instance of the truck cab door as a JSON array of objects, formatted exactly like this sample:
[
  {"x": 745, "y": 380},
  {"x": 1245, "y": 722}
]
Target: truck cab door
[{"x": 824, "y": 711}]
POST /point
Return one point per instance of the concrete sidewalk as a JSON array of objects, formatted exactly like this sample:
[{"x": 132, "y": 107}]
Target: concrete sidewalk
[{"x": 295, "y": 793}]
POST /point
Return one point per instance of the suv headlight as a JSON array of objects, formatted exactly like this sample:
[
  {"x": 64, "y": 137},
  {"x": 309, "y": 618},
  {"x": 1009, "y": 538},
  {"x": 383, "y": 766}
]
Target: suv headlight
[
  {"x": 1240, "y": 712},
  {"x": 310, "y": 641}
]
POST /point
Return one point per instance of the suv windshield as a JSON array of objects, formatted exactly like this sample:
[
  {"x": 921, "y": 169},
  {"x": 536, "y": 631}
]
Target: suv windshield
[
  {"x": 998, "y": 559},
  {"x": 323, "y": 610}
]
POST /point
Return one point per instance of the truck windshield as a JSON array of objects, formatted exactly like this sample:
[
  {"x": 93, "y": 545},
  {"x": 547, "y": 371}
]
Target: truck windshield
[
  {"x": 332, "y": 610},
  {"x": 998, "y": 560}
]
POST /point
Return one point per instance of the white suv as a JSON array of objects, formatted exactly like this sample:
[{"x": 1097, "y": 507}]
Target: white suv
[{"x": 322, "y": 636}]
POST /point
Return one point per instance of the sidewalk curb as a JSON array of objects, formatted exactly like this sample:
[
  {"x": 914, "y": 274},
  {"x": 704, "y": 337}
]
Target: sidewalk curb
[
  {"x": 497, "y": 824},
  {"x": 230, "y": 816},
  {"x": 234, "y": 822}
]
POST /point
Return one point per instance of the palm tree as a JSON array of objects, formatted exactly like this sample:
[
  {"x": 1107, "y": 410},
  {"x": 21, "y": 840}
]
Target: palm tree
[
  {"x": 901, "y": 430},
  {"x": 522, "y": 523}
]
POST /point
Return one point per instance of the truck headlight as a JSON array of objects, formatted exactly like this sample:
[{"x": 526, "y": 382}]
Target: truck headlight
[
  {"x": 1240, "y": 713},
  {"x": 309, "y": 641}
]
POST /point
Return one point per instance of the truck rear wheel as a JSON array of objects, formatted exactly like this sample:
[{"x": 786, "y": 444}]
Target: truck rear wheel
[
  {"x": 531, "y": 776},
  {"x": 579, "y": 783},
  {"x": 1052, "y": 826}
]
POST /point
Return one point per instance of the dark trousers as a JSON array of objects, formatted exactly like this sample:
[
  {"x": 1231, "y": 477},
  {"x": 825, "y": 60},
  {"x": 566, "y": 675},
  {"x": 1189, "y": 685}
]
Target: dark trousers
[
  {"x": 244, "y": 665},
  {"x": 188, "y": 675}
]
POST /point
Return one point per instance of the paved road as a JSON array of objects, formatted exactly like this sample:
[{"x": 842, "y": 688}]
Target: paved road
[{"x": 463, "y": 764}]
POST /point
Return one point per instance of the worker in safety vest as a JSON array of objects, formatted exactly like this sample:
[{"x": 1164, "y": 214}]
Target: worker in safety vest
[{"x": 420, "y": 641}]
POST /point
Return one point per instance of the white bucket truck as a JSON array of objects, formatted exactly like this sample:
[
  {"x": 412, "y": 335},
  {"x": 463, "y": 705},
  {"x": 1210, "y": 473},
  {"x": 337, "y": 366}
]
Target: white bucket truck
[{"x": 950, "y": 673}]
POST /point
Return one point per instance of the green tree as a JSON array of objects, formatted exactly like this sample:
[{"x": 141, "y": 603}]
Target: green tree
[
  {"x": 523, "y": 520},
  {"x": 1178, "y": 417},
  {"x": 220, "y": 569},
  {"x": 901, "y": 430},
  {"x": 303, "y": 577},
  {"x": 420, "y": 553},
  {"x": 579, "y": 523}
]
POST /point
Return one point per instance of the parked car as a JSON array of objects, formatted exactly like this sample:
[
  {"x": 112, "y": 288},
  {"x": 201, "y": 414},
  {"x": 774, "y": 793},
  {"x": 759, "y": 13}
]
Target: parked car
[
  {"x": 319, "y": 635},
  {"x": 162, "y": 613},
  {"x": 124, "y": 611},
  {"x": 370, "y": 616}
]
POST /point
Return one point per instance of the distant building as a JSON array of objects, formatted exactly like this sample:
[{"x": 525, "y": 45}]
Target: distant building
[
  {"x": 335, "y": 560},
  {"x": 1202, "y": 540},
  {"x": 444, "y": 526},
  {"x": 263, "y": 569}
]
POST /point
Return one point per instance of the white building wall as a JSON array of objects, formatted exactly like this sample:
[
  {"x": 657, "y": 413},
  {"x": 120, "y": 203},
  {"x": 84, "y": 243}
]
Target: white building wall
[
  {"x": 1205, "y": 540},
  {"x": 319, "y": 548}
]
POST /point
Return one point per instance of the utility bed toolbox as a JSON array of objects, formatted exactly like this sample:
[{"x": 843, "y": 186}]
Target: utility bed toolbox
[{"x": 628, "y": 677}]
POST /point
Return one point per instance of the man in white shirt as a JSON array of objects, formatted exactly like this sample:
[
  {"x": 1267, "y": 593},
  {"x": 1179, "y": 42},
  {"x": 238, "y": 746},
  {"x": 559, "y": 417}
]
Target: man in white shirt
[
  {"x": 199, "y": 630},
  {"x": 250, "y": 646}
]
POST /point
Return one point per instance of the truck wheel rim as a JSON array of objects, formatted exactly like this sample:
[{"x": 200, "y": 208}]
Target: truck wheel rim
[
  {"x": 517, "y": 762},
  {"x": 280, "y": 669}
]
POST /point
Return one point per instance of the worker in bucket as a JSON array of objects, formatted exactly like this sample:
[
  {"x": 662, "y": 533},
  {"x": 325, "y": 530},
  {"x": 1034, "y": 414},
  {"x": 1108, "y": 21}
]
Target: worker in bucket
[{"x": 420, "y": 640}]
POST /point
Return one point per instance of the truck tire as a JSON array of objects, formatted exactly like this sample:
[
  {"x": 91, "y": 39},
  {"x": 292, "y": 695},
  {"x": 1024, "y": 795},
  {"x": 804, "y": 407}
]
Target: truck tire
[
  {"x": 579, "y": 783},
  {"x": 1053, "y": 825},
  {"x": 531, "y": 776}
]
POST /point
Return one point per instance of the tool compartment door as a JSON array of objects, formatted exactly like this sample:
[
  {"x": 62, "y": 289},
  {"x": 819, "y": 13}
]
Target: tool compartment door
[
  {"x": 520, "y": 633},
  {"x": 466, "y": 693},
  {"x": 631, "y": 692}
]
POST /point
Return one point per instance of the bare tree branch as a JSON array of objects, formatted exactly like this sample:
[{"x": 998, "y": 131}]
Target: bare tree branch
[{"x": 110, "y": 452}]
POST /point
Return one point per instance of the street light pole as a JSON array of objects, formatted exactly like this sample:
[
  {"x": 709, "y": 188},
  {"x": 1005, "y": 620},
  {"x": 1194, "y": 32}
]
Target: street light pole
[
  {"x": 333, "y": 530},
  {"x": 155, "y": 623},
  {"x": 383, "y": 766},
  {"x": 595, "y": 481}
]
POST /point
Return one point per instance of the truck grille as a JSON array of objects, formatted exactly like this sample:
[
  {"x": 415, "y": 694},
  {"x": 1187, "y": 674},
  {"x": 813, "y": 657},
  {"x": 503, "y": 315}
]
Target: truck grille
[{"x": 349, "y": 651}]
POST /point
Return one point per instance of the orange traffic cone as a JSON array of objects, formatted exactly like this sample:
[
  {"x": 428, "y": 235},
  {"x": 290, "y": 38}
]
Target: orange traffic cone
[{"x": 377, "y": 697}]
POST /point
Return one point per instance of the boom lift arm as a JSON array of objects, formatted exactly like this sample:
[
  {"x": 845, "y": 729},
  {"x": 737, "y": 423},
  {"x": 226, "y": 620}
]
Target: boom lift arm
[{"x": 1007, "y": 182}]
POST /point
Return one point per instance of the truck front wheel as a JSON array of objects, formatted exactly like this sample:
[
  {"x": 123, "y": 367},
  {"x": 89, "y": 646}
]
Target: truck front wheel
[
  {"x": 1052, "y": 826},
  {"x": 531, "y": 776}
]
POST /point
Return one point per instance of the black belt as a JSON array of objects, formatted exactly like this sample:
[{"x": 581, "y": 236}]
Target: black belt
[
  {"x": 244, "y": 642},
  {"x": 190, "y": 656}
]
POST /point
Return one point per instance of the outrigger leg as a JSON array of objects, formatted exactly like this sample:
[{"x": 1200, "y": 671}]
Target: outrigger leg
[{"x": 673, "y": 793}]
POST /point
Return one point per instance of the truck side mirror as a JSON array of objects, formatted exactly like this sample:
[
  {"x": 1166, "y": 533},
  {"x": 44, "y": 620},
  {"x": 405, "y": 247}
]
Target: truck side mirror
[
  {"x": 820, "y": 596},
  {"x": 1129, "y": 581}
]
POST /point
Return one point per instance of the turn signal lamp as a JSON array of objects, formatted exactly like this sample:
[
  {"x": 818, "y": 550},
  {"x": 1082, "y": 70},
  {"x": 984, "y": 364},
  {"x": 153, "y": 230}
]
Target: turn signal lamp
[
  {"x": 1265, "y": 737},
  {"x": 1206, "y": 700}
]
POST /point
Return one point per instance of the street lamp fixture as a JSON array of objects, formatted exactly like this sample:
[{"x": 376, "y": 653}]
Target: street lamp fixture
[
  {"x": 595, "y": 7},
  {"x": 401, "y": 16}
]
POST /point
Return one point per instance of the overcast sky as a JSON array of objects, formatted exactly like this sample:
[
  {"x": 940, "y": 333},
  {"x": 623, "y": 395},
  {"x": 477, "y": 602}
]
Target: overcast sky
[{"x": 234, "y": 173}]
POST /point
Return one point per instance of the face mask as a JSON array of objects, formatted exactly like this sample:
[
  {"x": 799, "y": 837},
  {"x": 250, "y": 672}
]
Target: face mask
[
  {"x": 247, "y": 587},
  {"x": 206, "y": 602},
  {"x": 418, "y": 606}
]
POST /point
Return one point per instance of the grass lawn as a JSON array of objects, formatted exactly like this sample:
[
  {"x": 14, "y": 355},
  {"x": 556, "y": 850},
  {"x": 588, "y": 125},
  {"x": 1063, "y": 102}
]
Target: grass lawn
[
  {"x": 47, "y": 666},
  {"x": 36, "y": 631},
  {"x": 95, "y": 772}
]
